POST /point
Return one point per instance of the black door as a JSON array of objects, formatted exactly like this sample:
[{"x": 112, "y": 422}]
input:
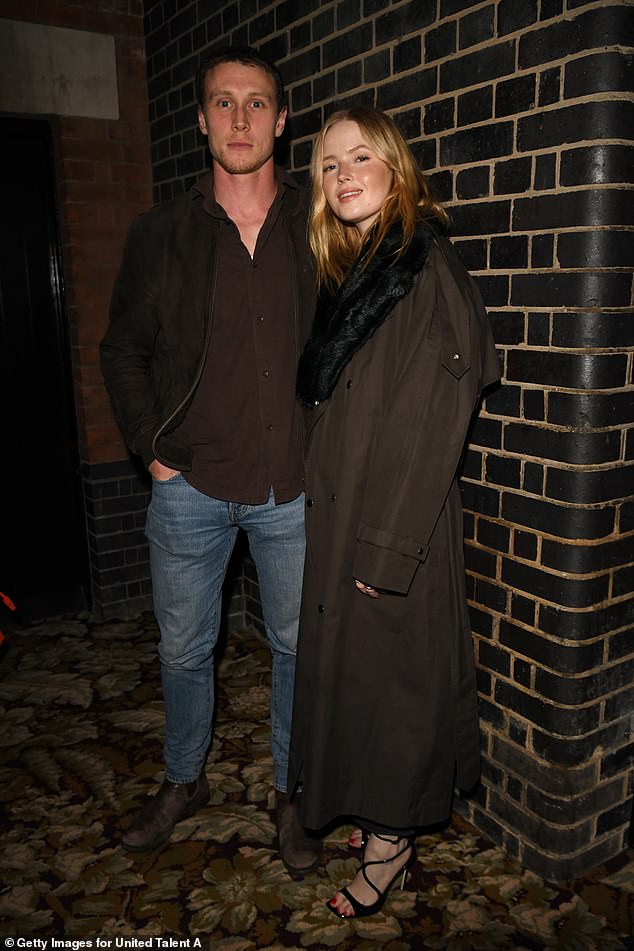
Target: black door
[{"x": 43, "y": 560}]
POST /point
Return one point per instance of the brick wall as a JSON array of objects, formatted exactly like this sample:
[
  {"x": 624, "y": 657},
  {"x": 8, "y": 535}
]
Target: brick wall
[
  {"x": 519, "y": 112},
  {"x": 103, "y": 180}
]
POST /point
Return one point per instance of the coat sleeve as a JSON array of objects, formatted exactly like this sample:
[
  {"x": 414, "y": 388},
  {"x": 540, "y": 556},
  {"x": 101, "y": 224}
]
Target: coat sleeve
[
  {"x": 128, "y": 346},
  {"x": 445, "y": 358}
]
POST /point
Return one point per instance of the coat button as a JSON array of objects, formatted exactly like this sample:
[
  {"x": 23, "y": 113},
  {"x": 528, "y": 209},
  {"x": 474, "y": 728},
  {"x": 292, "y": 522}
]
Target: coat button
[
  {"x": 333, "y": 497},
  {"x": 320, "y": 608},
  {"x": 310, "y": 503},
  {"x": 348, "y": 384},
  {"x": 420, "y": 551}
]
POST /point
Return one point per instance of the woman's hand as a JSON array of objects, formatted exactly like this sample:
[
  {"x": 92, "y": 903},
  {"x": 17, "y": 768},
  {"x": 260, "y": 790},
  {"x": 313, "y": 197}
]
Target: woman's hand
[{"x": 366, "y": 589}]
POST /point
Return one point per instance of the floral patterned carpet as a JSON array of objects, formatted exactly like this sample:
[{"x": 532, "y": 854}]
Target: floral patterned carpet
[{"x": 80, "y": 747}]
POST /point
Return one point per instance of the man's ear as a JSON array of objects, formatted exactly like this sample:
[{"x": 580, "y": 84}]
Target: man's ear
[
  {"x": 202, "y": 125},
  {"x": 281, "y": 122}
]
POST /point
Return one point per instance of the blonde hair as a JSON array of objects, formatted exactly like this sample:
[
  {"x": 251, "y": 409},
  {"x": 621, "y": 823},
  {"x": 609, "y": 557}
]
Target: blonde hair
[{"x": 335, "y": 244}]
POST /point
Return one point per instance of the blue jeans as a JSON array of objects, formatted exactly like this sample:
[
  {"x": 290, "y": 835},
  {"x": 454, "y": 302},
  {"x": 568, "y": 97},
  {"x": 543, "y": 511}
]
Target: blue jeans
[{"x": 191, "y": 539}]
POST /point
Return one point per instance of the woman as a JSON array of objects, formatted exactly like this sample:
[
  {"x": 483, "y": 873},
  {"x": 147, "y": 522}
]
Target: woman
[{"x": 385, "y": 715}]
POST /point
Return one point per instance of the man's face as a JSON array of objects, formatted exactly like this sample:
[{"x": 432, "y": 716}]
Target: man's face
[{"x": 239, "y": 117}]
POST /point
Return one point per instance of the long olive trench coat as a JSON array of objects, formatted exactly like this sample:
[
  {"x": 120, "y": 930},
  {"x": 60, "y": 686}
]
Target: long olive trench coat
[{"x": 385, "y": 718}]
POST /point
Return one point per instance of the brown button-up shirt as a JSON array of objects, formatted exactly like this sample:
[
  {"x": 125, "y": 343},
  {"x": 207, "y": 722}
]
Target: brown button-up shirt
[{"x": 244, "y": 421}]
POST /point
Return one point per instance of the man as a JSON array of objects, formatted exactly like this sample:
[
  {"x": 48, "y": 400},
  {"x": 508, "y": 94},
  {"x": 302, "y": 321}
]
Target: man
[{"x": 209, "y": 314}]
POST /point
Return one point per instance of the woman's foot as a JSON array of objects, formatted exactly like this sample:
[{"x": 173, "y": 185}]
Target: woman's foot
[
  {"x": 357, "y": 839},
  {"x": 384, "y": 859}
]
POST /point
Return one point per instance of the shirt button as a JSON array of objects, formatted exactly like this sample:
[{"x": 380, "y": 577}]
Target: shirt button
[
  {"x": 420, "y": 551},
  {"x": 348, "y": 384},
  {"x": 266, "y": 373},
  {"x": 320, "y": 608},
  {"x": 260, "y": 318},
  {"x": 269, "y": 428},
  {"x": 310, "y": 503},
  {"x": 333, "y": 497}
]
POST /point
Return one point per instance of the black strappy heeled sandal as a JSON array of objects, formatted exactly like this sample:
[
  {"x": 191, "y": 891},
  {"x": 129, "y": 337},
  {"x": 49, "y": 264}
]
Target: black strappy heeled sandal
[{"x": 364, "y": 911}]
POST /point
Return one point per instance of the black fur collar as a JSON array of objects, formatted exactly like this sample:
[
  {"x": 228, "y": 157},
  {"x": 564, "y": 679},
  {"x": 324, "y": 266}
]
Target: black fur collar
[{"x": 345, "y": 321}]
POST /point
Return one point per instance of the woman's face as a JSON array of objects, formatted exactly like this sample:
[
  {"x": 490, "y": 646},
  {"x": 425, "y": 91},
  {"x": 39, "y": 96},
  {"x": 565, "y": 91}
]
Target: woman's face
[{"x": 355, "y": 180}]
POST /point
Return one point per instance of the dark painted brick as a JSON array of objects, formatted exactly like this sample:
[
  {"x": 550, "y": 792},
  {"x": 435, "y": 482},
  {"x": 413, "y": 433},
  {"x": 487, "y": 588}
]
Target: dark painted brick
[
  {"x": 439, "y": 116},
  {"x": 509, "y": 252},
  {"x": 596, "y": 28},
  {"x": 475, "y": 106},
  {"x": 523, "y": 609},
  {"x": 493, "y": 535},
  {"x": 525, "y": 545},
  {"x": 559, "y": 657},
  {"x": 480, "y": 562},
  {"x": 518, "y": 732},
  {"x": 473, "y": 182},
  {"x": 494, "y": 289},
  {"x": 480, "y": 218},
  {"x": 376, "y": 67},
  {"x": 490, "y": 595},
  {"x": 538, "y": 329},
  {"x": 590, "y": 487},
  {"x": 616, "y": 762},
  {"x": 492, "y": 714},
  {"x": 533, "y": 478},
  {"x": 534, "y": 406},
  {"x": 300, "y": 36},
  {"x": 324, "y": 87},
  {"x": 374, "y": 6},
  {"x": 484, "y": 65},
  {"x": 601, "y": 72},
  {"x": 412, "y": 88},
  {"x": 549, "y": 87},
  {"x": 493, "y": 658},
  {"x": 512, "y": 176},
  {"x": 349, "y": 77},
  {"x": 323, "y": 24},
  {"x": 545, "y": 171},
  {"x": 442, "y": 185},
  {"x": 564, "y": 810},
  {"x": 476, "y": 27},
  {"x": 579, "y": 690},
  {"x": 300, "y": 66},
  {"x": 599, "y": 165},
  {"x": 577, "y": 371},
  {"x": 440, "y": 41},
  {"x": 481, "y": 622},
  {"x": 566, "y": 722},
  {"x": 561, "y": 521},
  {"x": 507, "y": 326},
  {"x": 301, "y": 97},
  {"x": 492, "y": 774},
  {"x": 409, "y": 122},
  {"x": 515, "y": 95},
  {"x": 569, "y": 592},
  {"x": 596, "y": 249},
  {"x": 606, "y": 118},
  {"x": 345, "y": 45},
  {"x": 425, "y": 155},
  {"x": 515, "y": 789},
  {"x": 308, "y": 123},
  {"x": 623, "y": 584},
  {"x": 480, "y": 498},
  {"x": 502, "y": 470},
  {"x": 546, "y": 776},
  {"x": 614, "y": 818},
  {"x": 471, "y": 465},
  {"x": 578, "y": 448},
  {"x": 551, "y": 8},
  {"x": 542, "y": 250},
  {"x": 407, "y": 54},
  {"x": 473, "y": 254},
  {"x": 513, "y": 16},
  {"x": 618, "y": 706},
  {"x": 447, "y": 7},
  {"x": 477, "y": 144},
  {"x": 406, "y": 19},
  {"x": 586, "y": 559},
  {"x": 348, "y": 12},
  {"x": 505, "y": 401},
  {"x": 593, "y": 330},
  {"x": 585, "y": 625}
]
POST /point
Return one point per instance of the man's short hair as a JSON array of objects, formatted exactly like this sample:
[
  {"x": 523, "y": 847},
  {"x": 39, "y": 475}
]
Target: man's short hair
[{"x": 245, "y": 55}]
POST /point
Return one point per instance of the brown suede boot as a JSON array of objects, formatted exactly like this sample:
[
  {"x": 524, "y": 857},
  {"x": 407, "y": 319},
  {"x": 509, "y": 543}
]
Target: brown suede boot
[
  {"x": 299, "y": 851},
  {"x": 156, "y": 820}
]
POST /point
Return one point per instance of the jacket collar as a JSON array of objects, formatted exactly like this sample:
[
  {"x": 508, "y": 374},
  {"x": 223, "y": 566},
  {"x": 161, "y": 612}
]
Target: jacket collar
[{"x": 345, "y": 321}]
